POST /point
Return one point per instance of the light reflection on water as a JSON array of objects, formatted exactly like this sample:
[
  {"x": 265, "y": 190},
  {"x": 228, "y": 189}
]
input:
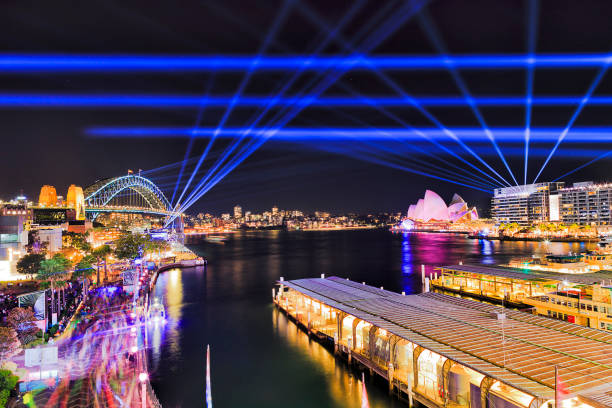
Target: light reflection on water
[
  {"x": 344, "y": 385},
  {"x": 171, "y": 294},
  {"x": 259, "y": 358}
]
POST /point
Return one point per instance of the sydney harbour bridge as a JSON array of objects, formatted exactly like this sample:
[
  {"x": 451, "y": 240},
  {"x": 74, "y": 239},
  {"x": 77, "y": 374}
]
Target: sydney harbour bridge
[{"x": 127, "y": 194}]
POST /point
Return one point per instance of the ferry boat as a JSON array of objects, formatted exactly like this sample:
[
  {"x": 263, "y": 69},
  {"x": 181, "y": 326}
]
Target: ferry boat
[
  {"x": 605, "y": 242},
  {"x": 157, "y": 312},
  {"x": 217, "y": 239}
]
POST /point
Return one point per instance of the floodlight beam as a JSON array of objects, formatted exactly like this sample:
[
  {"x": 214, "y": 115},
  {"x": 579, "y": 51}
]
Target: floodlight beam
[{"x": 587, "y": 96}]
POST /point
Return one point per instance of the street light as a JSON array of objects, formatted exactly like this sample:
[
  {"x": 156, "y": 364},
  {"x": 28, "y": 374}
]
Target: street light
[{"x": 143, "y": 377}]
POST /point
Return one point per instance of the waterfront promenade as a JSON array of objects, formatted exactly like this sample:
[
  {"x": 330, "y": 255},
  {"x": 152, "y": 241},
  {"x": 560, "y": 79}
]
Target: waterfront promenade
[
  {"x": 102, "y": 356},
  {"x": 445, "y": 351},
  {"x": 102, "y": 360}
]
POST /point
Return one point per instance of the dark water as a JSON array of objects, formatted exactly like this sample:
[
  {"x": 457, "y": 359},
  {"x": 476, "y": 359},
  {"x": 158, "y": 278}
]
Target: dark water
[{"x": 259, "y": 359}]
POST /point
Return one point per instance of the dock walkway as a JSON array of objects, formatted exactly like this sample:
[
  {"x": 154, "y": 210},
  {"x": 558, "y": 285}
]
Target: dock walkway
[{"x": 446, "y": 351}]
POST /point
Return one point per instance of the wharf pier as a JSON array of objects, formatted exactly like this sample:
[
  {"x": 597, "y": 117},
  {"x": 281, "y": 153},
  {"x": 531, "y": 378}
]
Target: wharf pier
[
  {"x": 443, "y": 351},
  {"x": 580, "y": 298}
]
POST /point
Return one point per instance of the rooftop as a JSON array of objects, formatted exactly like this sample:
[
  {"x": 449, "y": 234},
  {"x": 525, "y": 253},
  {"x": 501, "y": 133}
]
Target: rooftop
[
  {"x": 601, "y": 277},
  {"x": 522, "y": 353}
]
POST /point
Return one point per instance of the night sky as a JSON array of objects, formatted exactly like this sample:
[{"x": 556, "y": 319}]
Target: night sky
[{"x": 50, "y": 146}]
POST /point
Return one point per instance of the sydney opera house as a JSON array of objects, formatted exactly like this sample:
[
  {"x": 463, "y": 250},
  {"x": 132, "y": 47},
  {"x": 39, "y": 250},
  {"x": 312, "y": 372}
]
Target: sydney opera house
[{"x": 431, "y": 209}]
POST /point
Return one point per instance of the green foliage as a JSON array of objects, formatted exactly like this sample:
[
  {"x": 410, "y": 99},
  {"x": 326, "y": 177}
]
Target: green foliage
[
  {"x": 129, "y": 246},
  {"x": 34, "y": 343},
  {"x": 84, "y": 268},
  {"x": 9, "y": 343},
  {"x": 29, "y": 264},
  {"x": 4, "y": 397},
  {"x": 153, "y": 246},
  {"x": 44, "y": 285},
  {"x": 53, "y": 330},
  {"x": 101, "y": 252},
  {"x": 8, "y": 382},
  {"x": 23, "y": 321},
  {"x": 54, "y": 269},
  {"x": 76, "y": 240}
]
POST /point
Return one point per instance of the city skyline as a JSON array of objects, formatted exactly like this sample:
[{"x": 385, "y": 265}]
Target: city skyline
[
  {"x": 363, "y": 175},
  {"x": 306, "y": 203}
]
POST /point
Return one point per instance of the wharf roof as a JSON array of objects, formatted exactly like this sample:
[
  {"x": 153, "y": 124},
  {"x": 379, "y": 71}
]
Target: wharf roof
[
  {"x": 601, "y": 277},
  {"x": 520, "y": 351}
]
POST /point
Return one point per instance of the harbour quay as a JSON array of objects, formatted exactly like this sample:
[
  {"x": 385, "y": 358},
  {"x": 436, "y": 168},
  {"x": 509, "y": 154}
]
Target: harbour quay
[
  {"x": 445, "y": 351},
  {"x": 584, "y": 299}
]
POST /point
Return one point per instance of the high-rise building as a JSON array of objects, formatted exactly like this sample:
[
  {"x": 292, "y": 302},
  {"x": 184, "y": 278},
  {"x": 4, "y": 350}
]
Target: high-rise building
[
  {"x": 586, "y": 203},
  {"x": 526, "y": 204},
  {"x": 237, "y": 212},
  {"x": 274, "y": 211}
]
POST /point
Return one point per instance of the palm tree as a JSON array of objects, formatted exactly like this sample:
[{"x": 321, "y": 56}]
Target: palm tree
[
  {"x": 84, "y": 270},
  {"x": 54, "y": 270},
  {"x": 153, "y": 246},
  {"x": 101, "y": 253}
]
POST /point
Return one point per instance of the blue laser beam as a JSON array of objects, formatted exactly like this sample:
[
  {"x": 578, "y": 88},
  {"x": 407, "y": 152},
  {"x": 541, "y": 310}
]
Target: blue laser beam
[
  {"x": 271, "y": 33},
  {"x": 583, "y": 103},
  {"x": 596, "y": 159},
  {"x": 413, "y": 147},
  {"x": 347, "y": 16},
  {"x": 434, "y": 36},
  {"x": 136, "y": 101},
  {"x": 84, "y": 63},
  {"x": 507, "y": 134},
  {"x": 396, "y": 154},
  {"x": 388, "y": 155},
  {"x": 531, "y": 46},
  {"x": 405, "y": 12},
  {"x": 370, "y": 158},
  {"x": 397, "y": 88},
  {"x": 209, "y": 84}
]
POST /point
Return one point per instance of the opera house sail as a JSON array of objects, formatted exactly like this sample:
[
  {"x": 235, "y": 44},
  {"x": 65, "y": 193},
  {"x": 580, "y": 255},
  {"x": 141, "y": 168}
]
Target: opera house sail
[{"x": 432, "y": 209}]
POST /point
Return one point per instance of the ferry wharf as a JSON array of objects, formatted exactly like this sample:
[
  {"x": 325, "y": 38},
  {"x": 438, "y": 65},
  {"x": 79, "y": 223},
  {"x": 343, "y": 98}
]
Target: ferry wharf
[
  {"x": 580, "y": 298},
  {"x": 444, "y": 351}
]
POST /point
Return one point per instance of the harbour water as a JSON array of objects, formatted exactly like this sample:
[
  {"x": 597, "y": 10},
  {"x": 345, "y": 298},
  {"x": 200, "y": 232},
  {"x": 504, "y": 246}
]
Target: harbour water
[{"x": 258, "y": 357}]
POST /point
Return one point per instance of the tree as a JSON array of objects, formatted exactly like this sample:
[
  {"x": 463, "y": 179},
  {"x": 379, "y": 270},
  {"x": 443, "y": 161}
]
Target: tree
[
  {"x": 101, "y": 253},
  {"x": 130, "y": 246},
  {"x": 22, "y": 320},
  {"x": 84, "y": 270},
  {"x": 76, "y": 240},
  {"x": 8, "y": 382},
  {"x": 53, "y": 270},
  {"x": 29, "y": 264},
  {"x": 152, "y": 246},
  {"x": 9, "y": 343}
]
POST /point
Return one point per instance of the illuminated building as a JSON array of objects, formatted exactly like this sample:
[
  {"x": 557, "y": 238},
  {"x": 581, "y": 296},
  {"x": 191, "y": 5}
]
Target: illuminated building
[
  {"x": 47, "y": 197},
  {"x": 76, "y": 200},
  {"x": 13, "y": 217},
  {"x": 586, "y": 203},
  {"x": 526, "y": 204},
  {"x": 52, "y": 237},
  {"x": 580, "y": 298},
  {"x": 51, "y": 216},
  {"x": 444, "y": 351},
  {"x": 237, "y": 212},
  {"x": 431, "y": 208}
]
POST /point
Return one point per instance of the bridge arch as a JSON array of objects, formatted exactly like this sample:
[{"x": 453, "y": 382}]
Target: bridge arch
[{"x": 100, "y": 194}]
